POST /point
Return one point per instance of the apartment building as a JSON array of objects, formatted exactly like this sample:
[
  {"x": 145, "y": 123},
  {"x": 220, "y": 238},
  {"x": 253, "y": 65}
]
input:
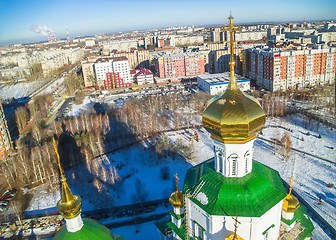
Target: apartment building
[
  {"x": 220, "y": 60},
  {"x": 108, "y": 70},
  {"x": 276, "y": 69},
  {"x": 54, "y": 62},
  {"x": 88, "y": 74},
  {"x": 179, "y": 65},
  {"x": 5, "y": 139}
]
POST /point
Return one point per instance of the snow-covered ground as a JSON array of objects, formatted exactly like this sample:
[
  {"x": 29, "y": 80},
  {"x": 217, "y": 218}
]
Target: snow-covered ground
[
  {"x": 76, "y": 110},
  {"x": 20, "y": 90},
  {"x": 53, "y": 86},
  {"x": 146, "y": 231},
  {"x": 141, "y": 162}
]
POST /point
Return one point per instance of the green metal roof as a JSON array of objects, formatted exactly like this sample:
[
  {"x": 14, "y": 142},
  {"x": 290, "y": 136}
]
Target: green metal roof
[
  {"x": 92, "y": 230},
  {"x": 302, "y": 216},
  {"x": 248, "y": 196},
  {"x": 162, "y": 224}
]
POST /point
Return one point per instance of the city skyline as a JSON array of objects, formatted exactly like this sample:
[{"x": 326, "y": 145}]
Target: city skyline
[{"x": 18, "y": 19}]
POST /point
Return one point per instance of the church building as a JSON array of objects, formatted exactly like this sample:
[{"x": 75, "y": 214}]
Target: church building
[{"x": 230, "y": 196}]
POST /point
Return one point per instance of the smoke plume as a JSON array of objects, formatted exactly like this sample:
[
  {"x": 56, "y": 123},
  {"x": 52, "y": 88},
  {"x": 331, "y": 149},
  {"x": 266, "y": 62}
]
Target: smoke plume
[{"x": 42, "y": 29}]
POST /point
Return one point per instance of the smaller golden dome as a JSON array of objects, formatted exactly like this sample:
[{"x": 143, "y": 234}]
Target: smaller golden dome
[
  {"x": 290, "y": 204},
  {"x": 69, "y": 205},
  {"x": 234, "y": 237},
  {"x": 176, "y": 199}
]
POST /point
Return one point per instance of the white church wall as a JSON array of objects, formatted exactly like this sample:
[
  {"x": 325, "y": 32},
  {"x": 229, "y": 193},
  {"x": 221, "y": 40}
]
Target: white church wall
[
  {"x": 266, "y": 221},
  {"x": 236, "y": 160},
  {"x": 178, "y": 211},
  {"x": 287, "y": 216},
  {"x": 197, "y": 214},
  {"x": 250, "y": 228}
]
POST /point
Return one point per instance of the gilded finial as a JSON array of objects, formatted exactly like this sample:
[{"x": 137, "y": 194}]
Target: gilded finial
[
  {"x": 69, "y": 205},
  {"x": 232, "y": 29},
  {"x": 177, "y": 179},
  {"x": 291, "y": 184},
  {"x": 58, "y": 159}
]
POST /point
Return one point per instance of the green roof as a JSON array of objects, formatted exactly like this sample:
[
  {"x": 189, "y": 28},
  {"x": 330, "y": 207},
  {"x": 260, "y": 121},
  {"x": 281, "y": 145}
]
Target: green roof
[
  {"x": 92, "y": 230},
  {"x": 162, "y": 224},
  {"x": 248, "y": 196},
  {"x": 302, "y": 216}
]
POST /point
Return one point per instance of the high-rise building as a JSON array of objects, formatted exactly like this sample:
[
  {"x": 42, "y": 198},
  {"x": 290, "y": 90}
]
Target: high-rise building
[
  {"x": 179, "y": 65},
  {"x": 5, "y": 139},
  {"x": 110, "y": 69},
  {"x": 281, "y": 69}
]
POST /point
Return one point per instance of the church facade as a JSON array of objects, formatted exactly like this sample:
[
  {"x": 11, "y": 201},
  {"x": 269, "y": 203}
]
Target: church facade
[{"x": 230, "y": 196}]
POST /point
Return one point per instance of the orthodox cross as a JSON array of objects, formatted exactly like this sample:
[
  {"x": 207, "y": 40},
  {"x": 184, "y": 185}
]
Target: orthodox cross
[
  {"x": 177, "y": 179},
  {"x": 231, "y": 29},
  {"x": 291, "y": 184}
]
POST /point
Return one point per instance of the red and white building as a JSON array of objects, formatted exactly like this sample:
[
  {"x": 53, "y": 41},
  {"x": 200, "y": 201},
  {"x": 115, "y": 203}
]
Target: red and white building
[
  {"x": 142, "y": 76},
  {"x": 112, "y": 72},
  {"x": 179, "y": 65},
  {"x": 276, "y": 69}
]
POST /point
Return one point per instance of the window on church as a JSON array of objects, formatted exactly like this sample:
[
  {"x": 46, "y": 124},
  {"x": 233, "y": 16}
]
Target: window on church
[
  {"x": 220, "y": 162},
  {"x": 234, "y": 167},
  {"x": 246, "y": 157}
]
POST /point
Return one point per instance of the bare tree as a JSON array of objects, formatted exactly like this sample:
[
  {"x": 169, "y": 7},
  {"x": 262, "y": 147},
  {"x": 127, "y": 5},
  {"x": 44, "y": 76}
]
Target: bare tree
[
  {"x": 286, "y": 144},
  {"x": 22, "y": 117}
]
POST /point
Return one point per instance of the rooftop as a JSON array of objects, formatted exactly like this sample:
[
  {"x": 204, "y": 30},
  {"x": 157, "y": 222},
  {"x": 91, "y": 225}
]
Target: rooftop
[
  {"x": 220, "y": 78},
  {"x": 249, "y": 196}
]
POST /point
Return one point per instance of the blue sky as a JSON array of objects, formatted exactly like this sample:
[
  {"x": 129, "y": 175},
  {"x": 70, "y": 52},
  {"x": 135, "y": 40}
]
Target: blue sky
[{"x": 96, "y": 16}]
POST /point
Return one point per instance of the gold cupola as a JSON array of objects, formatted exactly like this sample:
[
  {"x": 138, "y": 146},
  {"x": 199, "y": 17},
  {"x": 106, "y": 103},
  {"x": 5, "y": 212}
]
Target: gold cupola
[
  {"x": 233, "y": 116},
  {"x": 290, "y": 203},
  {"x": 69, "y": 205},
  {"x": 176, "y": 198}
]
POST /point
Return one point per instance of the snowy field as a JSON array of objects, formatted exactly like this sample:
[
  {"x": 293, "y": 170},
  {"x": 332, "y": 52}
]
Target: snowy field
[
  {"x": 146, "y": 231},
  {"x": 76, "y": 110},
  {"x": 141, "y": 162},
  {"x": 20, "y": 90},
  {"x": 53, "y": 86}
]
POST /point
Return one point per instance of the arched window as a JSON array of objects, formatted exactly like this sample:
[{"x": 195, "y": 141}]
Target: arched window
[
  {"x": 246, "y": 158},
  {"x": 233, "y": 160},
  {"x": 220, "y": 161},
  {"x": 234, "y": 167}
]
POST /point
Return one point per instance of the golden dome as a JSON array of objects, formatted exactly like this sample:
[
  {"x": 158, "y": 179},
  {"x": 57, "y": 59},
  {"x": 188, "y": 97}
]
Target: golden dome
[
  {"x": 176, "y": 199},
  {"x": 69, "y": 205},
  {"x": 233, "y": 117},
  {"x": 290, "y": 204}
]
